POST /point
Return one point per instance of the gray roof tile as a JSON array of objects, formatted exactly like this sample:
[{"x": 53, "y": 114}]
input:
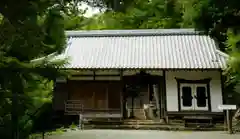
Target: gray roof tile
[{"x": 151, "y": 49}]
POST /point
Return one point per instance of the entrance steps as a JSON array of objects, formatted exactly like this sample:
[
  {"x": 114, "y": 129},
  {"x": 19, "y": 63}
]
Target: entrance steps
[
  {"x": 198, "y": 121},
  {"x": 138, "y": 114},
  {"x": 176, "y": 122},
  {"x": 131, "y": 124},
  {"x": 175, "y": 125},
  {"x": 143, "y": 122}
]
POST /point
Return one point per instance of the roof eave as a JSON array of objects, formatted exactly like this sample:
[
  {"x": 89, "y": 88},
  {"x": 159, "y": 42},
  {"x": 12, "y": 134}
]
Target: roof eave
[{"x": 201, "y": 69}]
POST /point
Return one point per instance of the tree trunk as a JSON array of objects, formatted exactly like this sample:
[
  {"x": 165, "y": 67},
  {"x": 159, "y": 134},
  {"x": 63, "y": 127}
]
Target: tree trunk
[
  {"x": 17, "y": 88},
  {"x": 14, "y": 115},
  {"x": 237, "y": 114}
]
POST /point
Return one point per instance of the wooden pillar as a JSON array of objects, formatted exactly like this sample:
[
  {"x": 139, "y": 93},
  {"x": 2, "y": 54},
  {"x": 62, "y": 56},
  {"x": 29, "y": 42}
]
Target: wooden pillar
[
  {"x": 93, "y": 101},
  {"x": 157, "y": 86},
  {"x": 160, "y": 92},
  {"x": 94, "y": 75},
  {"x": 122, "y": 99},
  {"x": 106, "y": 103},
  {"x": 164, "y": 97},
  {"x": 229, "y": 121},
  {"x": 149, "y": 92},
  {"x": 121, "y": 102},
  {"x": 68, "y": 92}
]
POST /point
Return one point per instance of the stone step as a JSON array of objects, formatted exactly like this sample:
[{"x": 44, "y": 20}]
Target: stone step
[
  {"x": 132, "y": 127},
  {"x": 135, "y": 122},
  {"x": 125, "y": 122},
  {"x": 176, "y": 121},
  {"x": 139, "y": 113},
  {"x": 144, "y": 122},
  {"x": 204, "y": 125},
  {"x": 152, "y": 127},
  {"x": 154, "y": 102}
]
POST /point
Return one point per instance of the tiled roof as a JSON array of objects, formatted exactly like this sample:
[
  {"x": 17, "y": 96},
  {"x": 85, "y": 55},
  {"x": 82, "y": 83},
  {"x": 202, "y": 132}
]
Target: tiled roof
[{"x": 150, "y": 49}]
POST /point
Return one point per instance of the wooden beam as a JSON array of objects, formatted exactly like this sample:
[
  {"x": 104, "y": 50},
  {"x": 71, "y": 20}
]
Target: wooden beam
[
  {"x": 107, "y": 72},
  {"x": 121, "y": 74},
  {"x": 205, "y": 80}
]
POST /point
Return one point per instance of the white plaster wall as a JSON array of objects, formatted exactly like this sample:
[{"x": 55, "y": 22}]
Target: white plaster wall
[{"x": 171, "y": 87}]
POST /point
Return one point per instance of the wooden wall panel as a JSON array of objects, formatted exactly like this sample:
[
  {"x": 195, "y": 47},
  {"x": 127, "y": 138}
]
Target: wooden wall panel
[
  {"x": 96, "y": 94},
  {"x": 100, "y": 91},
  {"x": 60, "y": 96},
  {"x": 114, "y": 98},
  {"x": 82, "y": 91}
]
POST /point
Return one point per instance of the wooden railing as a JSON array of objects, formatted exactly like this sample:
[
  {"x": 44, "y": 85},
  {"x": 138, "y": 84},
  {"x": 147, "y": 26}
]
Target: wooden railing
[
  {"x": 73, "y": 107},
  {"x": 76, "y": 107}
]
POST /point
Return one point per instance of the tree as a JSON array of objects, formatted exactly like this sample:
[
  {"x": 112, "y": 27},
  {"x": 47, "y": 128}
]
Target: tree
[
  {"x": 141, "y": 14},
  {"x": 28, "y": 30},
  {"x": 216, "y": 17},
  {"x": 221, "y": 20},
  {"x": 111, "y": 5}
]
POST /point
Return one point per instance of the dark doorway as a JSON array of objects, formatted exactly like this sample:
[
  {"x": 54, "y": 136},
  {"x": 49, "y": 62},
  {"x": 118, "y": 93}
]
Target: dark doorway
[{"x": 138, "y": 90}]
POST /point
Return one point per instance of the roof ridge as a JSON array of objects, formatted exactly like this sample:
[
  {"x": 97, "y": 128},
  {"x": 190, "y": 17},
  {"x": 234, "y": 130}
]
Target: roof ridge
[{"x": 136, "y": 32}]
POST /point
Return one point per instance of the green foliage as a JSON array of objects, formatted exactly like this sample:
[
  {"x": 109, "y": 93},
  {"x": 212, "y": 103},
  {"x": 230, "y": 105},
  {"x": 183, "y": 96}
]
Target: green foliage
[
  {"x": 28, "y": 30},
  {"x": 31, "y": 30},
  {"x": 216, "y": 17},
  {"x": 74, "y": 22},
  {"x": 1, "y": 18},
  {"x": 233, "y": 43},
  {"x": 36, "y": 95},
  {"x": 141, "y": 14},
  {"x": 58, "y": 131},
  {"x": 221, "y": 19},
  {"x": 111, "y": 5},
  {"x": 73, "y": 126}
]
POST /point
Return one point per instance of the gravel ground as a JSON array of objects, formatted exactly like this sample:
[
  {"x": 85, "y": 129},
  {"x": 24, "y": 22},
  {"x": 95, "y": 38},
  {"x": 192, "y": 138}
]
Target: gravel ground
[{"x": 143, "y": 134}]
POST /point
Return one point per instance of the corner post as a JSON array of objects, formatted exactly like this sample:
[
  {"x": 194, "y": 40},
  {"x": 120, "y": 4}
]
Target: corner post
[
  {"x": 122, "y": 95},
  {"x": 229, "y": 122},
  {"x": 164, "y": 98}
]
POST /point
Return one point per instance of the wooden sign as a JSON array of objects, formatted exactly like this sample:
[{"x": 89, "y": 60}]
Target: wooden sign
[{"x": 227, "y": 107}]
